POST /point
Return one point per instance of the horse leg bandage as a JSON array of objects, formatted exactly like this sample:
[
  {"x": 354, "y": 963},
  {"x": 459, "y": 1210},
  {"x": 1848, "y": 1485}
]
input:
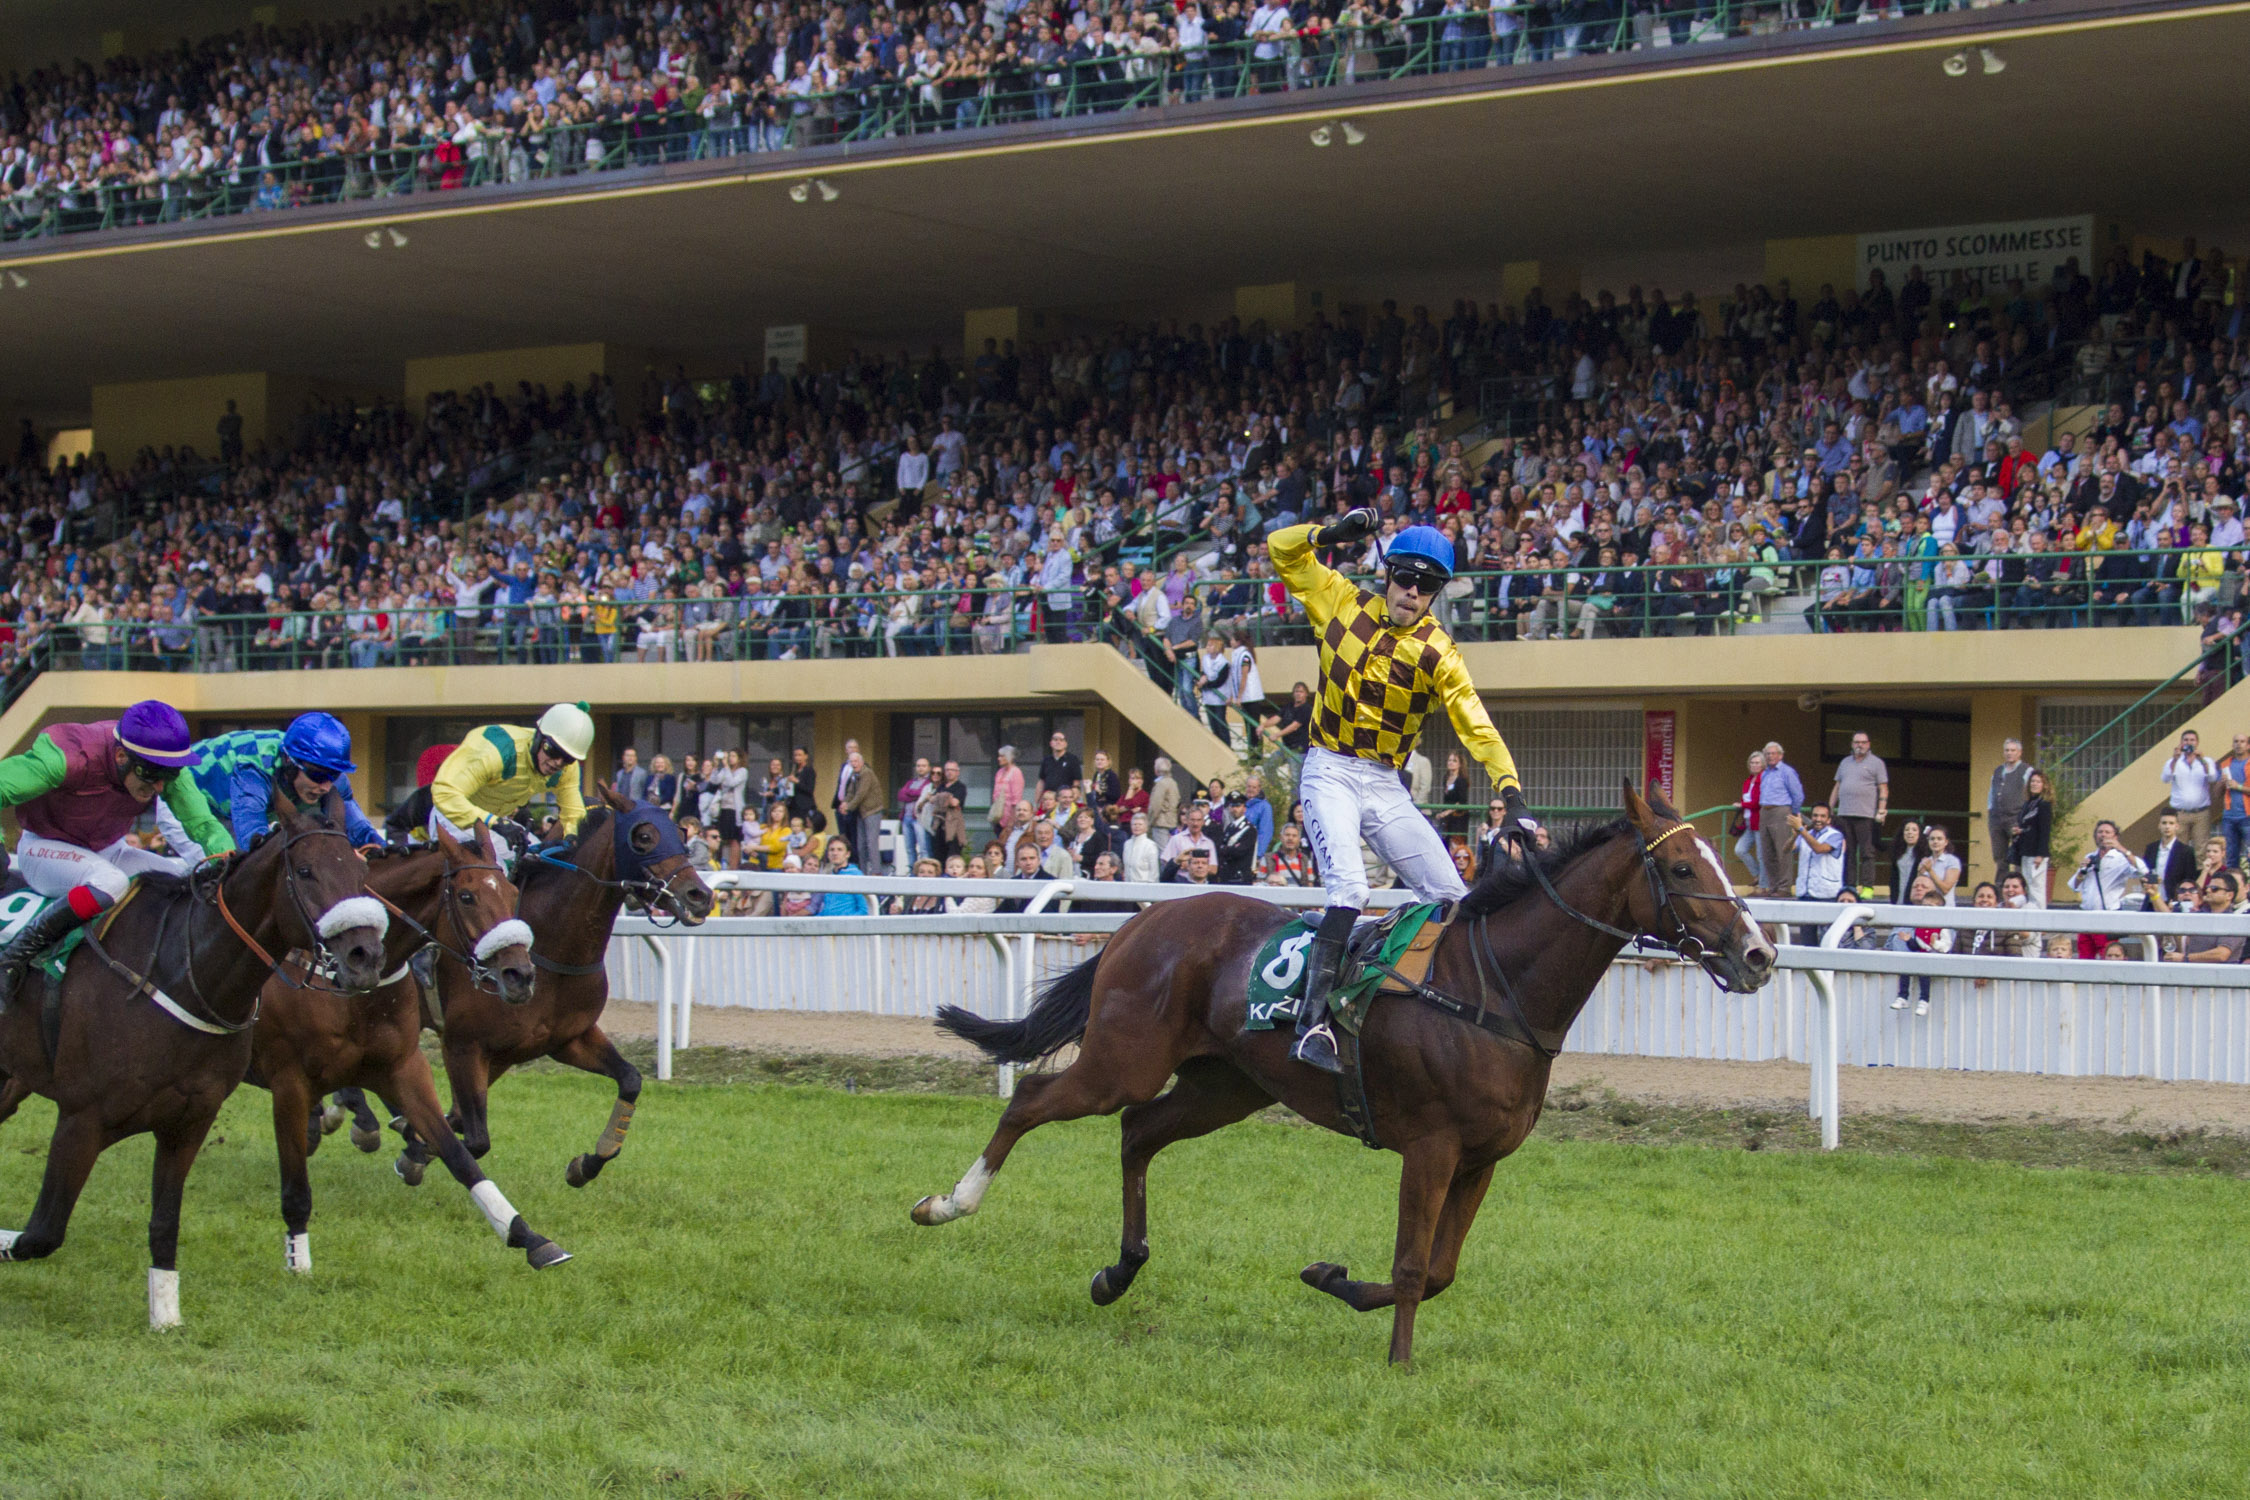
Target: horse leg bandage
[
  {"x": 613, "y": 1134},
  {"x": 163, "y": 1299},
  {"x": 296, "y": 1253},
  {"x": 498, "y": 1211}
]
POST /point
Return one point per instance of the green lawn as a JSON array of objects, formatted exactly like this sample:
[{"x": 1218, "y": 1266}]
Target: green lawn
[{"x": 752, "y": 1313}]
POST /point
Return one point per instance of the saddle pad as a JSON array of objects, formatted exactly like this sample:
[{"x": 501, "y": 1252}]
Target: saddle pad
[
  {"x": 1277, "y": 974},
  {"x": 17, "y": 911}
]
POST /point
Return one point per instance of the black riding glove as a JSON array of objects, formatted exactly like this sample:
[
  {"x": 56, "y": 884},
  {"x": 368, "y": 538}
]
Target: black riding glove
[
  {"x": 1352, "y": 526},
  {"x": 1516, "y": 816}
]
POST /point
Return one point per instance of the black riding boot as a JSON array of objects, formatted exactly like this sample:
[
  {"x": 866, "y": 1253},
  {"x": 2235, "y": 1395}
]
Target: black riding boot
[
  {"x": 47, "y": 929},
  {"x": 1316, "y": 1038}
]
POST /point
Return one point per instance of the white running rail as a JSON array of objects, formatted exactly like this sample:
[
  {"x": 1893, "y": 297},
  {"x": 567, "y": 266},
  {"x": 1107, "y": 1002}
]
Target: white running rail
[{"x": 1830, "y": 1004}]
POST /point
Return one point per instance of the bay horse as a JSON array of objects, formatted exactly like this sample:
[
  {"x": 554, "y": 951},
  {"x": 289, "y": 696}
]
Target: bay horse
[
  {"x": 1454, "y": 1080},
  {"x": 156, "y": 1011},
  {"x": 571, "y": 895},
  {"x": 307, "y": 1042}
]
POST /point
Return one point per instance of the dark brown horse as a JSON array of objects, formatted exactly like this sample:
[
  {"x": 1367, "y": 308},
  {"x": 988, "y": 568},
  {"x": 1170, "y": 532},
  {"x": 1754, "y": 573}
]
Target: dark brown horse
[
  {"x": 1166, "y": 1000},
  {"x": 125, "y": 1062},
  {"x": 310, "y": 1041},
  {"x": 571, "y": 897}
]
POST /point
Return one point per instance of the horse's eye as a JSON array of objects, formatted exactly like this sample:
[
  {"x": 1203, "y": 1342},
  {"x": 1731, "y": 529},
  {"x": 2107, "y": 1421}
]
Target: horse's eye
[
  {"x": 304, "y": 872},
  {"x": 1683, "y": 872},
  {"x": 467, "y": 898}
]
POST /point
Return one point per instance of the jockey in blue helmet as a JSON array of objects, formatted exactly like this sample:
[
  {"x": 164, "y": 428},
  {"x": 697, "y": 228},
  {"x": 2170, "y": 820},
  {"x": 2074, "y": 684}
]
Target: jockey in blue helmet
[{"x": 240, "y": 773}]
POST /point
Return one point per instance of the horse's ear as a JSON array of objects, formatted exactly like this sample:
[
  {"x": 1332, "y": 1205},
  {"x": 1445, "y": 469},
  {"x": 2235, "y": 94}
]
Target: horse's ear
[
  {"x": 446, "y": 840},
  {"x": 332, "y": 807},
  {"x": 485, "y": 845},
  {"x": 617, "y": 800},
  {"x": 1661, "y": 806},
  {"x": 1636, "y": 811}
]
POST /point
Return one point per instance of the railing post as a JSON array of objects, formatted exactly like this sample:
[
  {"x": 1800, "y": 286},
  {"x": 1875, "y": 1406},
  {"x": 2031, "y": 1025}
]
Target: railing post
[
  {"x": 663, "y": 1005},
  {"x": 1826, "y": 1103}
]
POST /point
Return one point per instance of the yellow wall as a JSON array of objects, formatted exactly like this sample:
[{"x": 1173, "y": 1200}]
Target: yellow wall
[
  {"x": 1807, "y": 263},
  {"x": 1000, "y": 324},
  {"x": 550, "y": 366},
  {"x": 154, "y": 413}
]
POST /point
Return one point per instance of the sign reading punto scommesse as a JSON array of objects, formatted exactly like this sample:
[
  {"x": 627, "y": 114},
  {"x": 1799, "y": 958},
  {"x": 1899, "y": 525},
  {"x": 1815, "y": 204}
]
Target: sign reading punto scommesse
[{"x": 2026, "y": 249}]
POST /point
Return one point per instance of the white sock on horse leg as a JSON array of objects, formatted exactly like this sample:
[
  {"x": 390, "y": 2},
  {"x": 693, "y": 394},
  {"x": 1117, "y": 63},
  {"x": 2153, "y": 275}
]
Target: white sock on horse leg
[
  {"x": 163, "y": 1299},
  {"x": 296, "y": 1253}
]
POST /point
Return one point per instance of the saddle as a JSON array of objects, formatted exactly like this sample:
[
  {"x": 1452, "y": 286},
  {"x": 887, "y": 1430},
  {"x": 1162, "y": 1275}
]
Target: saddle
[{"x": 1385, "y": 955}]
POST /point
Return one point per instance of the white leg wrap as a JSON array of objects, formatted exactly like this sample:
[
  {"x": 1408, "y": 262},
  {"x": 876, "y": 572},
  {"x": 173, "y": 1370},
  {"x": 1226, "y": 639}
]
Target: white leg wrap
[
  {"x": 966, "y": 1195},
  {"x": 8, "y": 1238},
  {"x": 163, "y": 1299},
  {"x": 513, "y": 933},
  {"x": 296, "y": 1253},
  {"x": 498, "y": 1211}
]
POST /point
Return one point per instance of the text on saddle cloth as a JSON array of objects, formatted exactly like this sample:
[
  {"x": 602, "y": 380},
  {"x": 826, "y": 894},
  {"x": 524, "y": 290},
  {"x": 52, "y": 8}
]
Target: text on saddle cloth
[{"x": 1404, "y": 941}]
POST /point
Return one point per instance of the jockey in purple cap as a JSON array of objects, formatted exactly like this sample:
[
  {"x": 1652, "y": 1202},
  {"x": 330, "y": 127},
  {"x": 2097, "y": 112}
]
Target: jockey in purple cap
[{"x": 78, "y": 791}]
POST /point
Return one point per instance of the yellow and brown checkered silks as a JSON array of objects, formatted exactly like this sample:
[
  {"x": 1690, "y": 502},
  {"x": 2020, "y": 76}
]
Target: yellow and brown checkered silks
[
  {"x": 1377, "y": 683},
  {"x": 1373, "y": 684}
]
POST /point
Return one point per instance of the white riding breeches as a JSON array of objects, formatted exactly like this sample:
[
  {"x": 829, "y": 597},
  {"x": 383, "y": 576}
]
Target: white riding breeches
[
  {"x": 1347, "y": 799},
  {"x": 176, "y": 835},
  {"x": 54, "y": 868}
]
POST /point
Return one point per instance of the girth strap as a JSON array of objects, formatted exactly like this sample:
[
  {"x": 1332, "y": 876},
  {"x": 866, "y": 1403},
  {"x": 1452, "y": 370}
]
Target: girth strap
[{"x": 1351, "y": 1088}]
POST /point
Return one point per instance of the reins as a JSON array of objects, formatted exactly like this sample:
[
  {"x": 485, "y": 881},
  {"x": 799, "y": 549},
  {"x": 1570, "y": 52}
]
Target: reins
[{"x": 480, "y": 973}]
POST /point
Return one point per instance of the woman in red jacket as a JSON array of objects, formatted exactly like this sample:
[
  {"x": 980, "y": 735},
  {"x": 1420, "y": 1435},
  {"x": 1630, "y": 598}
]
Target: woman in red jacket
[{"x": 1745, "y": 828}]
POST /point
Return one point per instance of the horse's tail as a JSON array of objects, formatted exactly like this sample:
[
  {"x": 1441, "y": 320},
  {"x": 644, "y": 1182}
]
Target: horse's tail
[{"x": 1055, "y": 1022}]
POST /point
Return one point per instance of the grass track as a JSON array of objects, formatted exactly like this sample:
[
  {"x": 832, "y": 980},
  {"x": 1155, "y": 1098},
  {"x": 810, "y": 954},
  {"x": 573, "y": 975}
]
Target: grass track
[{"x": 752, "y": 1314}]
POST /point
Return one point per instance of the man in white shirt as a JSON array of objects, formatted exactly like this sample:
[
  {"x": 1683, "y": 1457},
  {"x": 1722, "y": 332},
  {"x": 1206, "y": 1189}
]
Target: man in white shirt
[
  {"x": 1189, "y": 836},
  {"x": 1820, "y": 855},
  {"x": 2102, "y": 881},
  {"x": 2191, "y": 779}
]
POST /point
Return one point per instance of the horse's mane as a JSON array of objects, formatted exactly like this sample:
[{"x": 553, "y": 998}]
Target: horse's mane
[{"x": 1510, "y": 879}]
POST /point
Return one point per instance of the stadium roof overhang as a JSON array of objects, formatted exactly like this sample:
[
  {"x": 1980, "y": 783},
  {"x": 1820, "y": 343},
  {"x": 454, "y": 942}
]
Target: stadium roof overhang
[{"x": 2133, "y": 113}]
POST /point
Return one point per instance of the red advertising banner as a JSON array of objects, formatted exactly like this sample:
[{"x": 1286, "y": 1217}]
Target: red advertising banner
[{"x": 1660, "y": 736}]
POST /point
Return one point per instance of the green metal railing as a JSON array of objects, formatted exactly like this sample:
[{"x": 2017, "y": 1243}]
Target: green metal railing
[{"x": 956, "y": 95}]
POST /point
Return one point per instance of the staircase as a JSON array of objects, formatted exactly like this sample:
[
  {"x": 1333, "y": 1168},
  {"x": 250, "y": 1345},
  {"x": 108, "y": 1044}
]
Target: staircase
[{"x": 2148, "y": 733}]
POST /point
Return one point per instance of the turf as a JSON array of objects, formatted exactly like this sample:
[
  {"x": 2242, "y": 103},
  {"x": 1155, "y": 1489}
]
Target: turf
[{"x": 751, "y": 1313}]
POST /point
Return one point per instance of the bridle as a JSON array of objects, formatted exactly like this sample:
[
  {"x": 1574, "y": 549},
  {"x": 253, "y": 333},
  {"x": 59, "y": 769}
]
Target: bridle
[
  {"x": 208, "y": 882},
  {"x": 634, "y": 880},
  {"x": 484, "y": 975},
  {"x": 1664, "y": 899}
]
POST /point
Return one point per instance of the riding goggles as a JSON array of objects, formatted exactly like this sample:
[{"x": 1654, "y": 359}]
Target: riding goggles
[
  {"x": 148, "y": 771},
  {"x": 1415, "y": 581}
]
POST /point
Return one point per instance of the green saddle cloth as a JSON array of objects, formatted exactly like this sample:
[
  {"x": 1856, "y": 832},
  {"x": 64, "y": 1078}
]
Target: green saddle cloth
[
  {"x": 17, "y": 911},
  {"x": 1277, "y": 974}
]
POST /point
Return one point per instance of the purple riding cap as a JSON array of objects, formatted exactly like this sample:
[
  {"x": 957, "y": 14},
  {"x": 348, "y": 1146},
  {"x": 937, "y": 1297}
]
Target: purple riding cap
[{"x": 156, "y": 733}]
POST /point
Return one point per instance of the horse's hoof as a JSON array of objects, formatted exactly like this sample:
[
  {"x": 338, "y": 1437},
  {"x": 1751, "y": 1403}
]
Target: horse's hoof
[
  {"x": 1321, "y": 1275},
  {"x": 332, "y": 1119},
  {"x": 409, "y": 1170},
  {"x": 1102, "y": 1293},
  {"x": 369, "y": 1141},
  {"x": 926, "y": 1212},
  {"x": 546, "y": 1253},
  {"x": 582, "y": 1170}
]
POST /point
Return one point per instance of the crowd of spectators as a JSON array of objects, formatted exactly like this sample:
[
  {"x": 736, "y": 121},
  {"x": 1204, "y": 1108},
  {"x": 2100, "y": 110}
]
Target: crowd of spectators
[
  {"x": 436, "y": 97},
  {"x": 1117, "y": 488}
]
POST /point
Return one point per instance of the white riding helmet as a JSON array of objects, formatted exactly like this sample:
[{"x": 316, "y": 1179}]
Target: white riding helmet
[{"x": 571, "y": 727}]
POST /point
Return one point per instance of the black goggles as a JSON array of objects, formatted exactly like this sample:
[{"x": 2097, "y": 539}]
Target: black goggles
[
  {"x": 154, "y": 775},
  {"x": 1416, "y": 581}
]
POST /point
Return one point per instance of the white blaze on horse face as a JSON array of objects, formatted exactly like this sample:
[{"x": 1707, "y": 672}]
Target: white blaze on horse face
[
  {"x": 163, "y": 1299},
  {"x": 296, "y": 1253},
  {"x": 1752, "y": 935}
]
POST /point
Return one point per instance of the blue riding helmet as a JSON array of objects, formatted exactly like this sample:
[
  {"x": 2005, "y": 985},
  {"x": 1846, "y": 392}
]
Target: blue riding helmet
[
  {"x": 1420, "y": 549},
  {"x": 320, "y": 742}
]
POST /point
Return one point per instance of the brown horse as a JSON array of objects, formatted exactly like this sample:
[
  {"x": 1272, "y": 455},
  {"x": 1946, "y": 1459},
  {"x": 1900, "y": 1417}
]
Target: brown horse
[
  {"x": 571, "y": 898},
  {"x": 154, "y": 1024},
  {"x": 310, "y": 1041},
  {"x": 1454, "y": 1082}
]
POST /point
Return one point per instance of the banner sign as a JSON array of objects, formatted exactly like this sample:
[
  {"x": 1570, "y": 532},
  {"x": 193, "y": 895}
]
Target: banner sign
[
  {"x": 1659, "y": 736},
  {"x": 1990, "y": 253}
]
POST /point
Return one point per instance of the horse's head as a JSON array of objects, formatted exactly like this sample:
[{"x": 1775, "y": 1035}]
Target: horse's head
[
  {"x": 478, "y": 914},
  {"x": 652, "y": 859},
  {"x": 322, "y": 903},
  {"x": 1687, "y": 900}
]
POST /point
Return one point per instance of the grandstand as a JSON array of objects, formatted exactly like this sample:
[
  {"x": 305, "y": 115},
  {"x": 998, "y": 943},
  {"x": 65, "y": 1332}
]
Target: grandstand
[{"x": 718, "y": 368}]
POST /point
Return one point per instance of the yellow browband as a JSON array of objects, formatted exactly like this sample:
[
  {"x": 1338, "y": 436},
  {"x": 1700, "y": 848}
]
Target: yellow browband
[{"x": 1667, "y": 833}]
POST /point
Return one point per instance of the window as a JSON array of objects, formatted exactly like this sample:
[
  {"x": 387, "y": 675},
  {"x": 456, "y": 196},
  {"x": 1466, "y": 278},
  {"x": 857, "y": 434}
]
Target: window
[
  {"x": 760, "y": 737},
  {"x": 974, "y": 741}
]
